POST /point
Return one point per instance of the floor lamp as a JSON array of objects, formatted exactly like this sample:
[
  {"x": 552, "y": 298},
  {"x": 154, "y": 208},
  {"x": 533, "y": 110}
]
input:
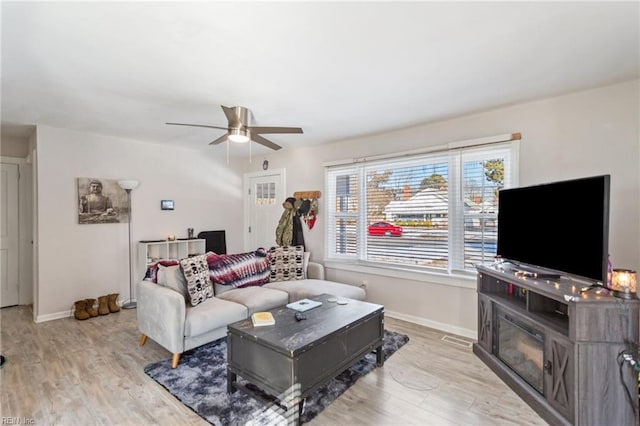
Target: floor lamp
[{"x": 129, "y": 185}]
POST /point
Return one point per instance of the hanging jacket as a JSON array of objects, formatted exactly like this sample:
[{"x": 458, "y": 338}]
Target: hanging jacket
[
  {"x": 284, "y": 230},
  {"x": 298, "y": 236}
]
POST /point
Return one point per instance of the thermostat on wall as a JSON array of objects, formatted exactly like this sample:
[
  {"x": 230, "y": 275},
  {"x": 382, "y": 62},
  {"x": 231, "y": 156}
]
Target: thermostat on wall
[{"x": 166, "y": 204}]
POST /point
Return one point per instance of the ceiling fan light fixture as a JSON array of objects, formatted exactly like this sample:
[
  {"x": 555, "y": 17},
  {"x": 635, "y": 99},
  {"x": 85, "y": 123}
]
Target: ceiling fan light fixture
[{"x": 239, "y": 135}]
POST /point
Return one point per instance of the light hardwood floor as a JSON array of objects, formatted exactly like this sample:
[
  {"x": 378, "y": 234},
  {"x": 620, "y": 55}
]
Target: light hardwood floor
[{"x": 70, "y": 372}]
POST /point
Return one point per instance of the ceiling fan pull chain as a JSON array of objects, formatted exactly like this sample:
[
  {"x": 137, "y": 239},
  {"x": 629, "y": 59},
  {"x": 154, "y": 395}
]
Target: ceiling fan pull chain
[{"x": 227, "y": 151}]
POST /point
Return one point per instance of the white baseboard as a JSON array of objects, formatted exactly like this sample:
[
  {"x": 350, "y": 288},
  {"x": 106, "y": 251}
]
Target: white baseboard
[
  {"x": 448, "y": 328},
  {"x": 54, "y": 316},
  {"x": 63, "y": 314}
]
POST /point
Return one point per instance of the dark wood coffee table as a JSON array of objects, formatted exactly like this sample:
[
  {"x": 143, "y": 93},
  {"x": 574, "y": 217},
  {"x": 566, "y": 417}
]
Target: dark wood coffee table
[{"x": 290, "y": 359}]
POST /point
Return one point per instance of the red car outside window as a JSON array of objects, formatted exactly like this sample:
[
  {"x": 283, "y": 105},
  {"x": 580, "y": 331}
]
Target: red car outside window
[{"x": 384, "y": 228}]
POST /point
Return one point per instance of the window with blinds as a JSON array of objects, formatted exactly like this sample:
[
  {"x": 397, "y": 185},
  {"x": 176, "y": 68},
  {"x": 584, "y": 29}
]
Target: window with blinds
[{"x": 429, "y": 211}]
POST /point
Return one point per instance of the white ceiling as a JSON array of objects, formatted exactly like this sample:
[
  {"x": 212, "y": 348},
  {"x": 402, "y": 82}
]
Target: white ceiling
[{"x": 338, "y": 70}]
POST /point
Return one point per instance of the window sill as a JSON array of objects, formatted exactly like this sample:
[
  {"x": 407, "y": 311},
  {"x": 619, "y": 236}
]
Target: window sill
[{"x": 455, "y": 279}]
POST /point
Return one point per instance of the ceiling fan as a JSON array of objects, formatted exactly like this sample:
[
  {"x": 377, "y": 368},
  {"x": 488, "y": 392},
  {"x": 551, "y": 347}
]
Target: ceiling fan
[{"x": 240, "y": 129}]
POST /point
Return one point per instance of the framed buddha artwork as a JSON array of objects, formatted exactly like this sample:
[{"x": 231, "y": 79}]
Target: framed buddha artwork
[{"x": 101, "y": 201}]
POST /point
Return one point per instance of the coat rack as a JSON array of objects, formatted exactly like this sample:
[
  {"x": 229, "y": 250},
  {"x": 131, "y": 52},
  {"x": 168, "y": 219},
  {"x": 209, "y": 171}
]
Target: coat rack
[
  {"x": 311, "y": 215},
  {"x": 307, "y": 195}
]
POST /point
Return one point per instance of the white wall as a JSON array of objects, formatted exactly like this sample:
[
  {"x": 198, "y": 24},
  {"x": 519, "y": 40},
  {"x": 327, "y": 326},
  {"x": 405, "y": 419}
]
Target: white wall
[
  {"x": 579, "y": 134},
  {"x": 86, "y": 261}
]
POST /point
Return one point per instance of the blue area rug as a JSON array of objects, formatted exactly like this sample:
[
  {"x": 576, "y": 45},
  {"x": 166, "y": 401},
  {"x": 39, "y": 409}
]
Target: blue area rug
[{"x": 200, "y": 382}]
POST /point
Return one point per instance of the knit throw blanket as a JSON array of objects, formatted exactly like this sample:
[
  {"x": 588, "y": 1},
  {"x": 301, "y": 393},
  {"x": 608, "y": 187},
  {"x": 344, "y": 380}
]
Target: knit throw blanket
[{"x": 233, "y": 270}]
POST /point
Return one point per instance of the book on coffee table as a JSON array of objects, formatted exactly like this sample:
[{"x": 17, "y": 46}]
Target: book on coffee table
[
  {"x": 304, "y": 305},
  {"x": 260, "y": 319}
]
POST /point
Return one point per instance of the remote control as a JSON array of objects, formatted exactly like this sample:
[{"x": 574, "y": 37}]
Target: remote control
[{"x": 300, "y": 316}]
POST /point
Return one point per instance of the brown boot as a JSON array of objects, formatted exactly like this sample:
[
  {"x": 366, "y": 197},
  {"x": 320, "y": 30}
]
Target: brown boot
[
  {"x": 113, "y": 305},
  {"x": 90, "y": 309},
  {"x": 103, "y": 305},
  {"x": 81, "y": 310}
]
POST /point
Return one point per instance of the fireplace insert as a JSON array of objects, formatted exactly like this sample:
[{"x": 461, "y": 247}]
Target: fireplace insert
[{"x": 520, "y": 346}]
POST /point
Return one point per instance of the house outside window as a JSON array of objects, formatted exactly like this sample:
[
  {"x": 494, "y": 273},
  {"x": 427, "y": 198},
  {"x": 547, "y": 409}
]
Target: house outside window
[{"x": 427, "y": 212}]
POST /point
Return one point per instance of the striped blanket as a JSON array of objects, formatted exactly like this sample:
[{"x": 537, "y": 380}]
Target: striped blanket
[{"x": 234, "y": 270}]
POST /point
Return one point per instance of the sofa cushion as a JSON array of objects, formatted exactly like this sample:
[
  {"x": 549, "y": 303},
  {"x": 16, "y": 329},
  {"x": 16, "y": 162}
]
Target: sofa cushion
[
  {"x": 256, "y": 299},
  {"x": 303, "y": 289},
  {"x": 211, "y": 314},
  {"x": 239, "y": 270},
  {"x": 196, "y": 273},
  {"x": 287, "y": 263}
]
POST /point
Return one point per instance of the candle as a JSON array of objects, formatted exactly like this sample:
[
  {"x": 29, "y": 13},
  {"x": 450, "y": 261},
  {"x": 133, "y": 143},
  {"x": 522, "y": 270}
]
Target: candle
[{"x": 624, "y": 283}]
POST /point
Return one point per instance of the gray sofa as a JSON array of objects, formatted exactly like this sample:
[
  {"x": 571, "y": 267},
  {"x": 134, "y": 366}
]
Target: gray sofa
[{"x": 166, "y": 317}]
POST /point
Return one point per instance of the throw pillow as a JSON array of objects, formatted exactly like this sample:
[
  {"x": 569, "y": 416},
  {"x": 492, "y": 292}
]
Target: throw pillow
[
  {"x": 196, "y": 273},
  {"x": 161, "y": 275},
  {"x": 239, "y": 270},
  {"x": 173, "y": 278},
  {"x": 287, "y": 263},
  {"x": 152, "y": 270}
]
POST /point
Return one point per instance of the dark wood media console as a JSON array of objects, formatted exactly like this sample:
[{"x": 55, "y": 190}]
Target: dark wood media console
[{"x": 559, "y": 348}]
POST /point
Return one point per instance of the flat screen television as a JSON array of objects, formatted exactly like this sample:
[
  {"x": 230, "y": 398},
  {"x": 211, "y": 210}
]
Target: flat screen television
[{"x": 562, "y": 226}]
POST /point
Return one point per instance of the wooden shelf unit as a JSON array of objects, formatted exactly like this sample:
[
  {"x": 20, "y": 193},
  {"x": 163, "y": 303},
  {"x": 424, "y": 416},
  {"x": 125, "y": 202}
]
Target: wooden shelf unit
[
  {"x": 584, "y": 334},
  {"x": 151, "y": 252}
]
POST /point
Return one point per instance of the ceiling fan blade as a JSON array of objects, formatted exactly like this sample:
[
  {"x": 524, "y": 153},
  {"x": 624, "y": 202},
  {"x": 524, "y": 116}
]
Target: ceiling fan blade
[
  {"x": 197, "y": 125},
  {"x": 259, "y": 129},
  {"x": 232, "y": 116},
  {"x": 263, "y": 141},
  {"x": 220, "y": 139}
]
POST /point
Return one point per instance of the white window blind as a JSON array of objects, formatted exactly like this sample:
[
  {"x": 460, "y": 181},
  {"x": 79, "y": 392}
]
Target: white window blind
[{"x": 428, "y": 211}]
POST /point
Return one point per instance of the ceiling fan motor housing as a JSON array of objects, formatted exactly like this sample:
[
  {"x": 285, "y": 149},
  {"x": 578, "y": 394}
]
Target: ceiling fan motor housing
[{"x": 242, "y": 117}]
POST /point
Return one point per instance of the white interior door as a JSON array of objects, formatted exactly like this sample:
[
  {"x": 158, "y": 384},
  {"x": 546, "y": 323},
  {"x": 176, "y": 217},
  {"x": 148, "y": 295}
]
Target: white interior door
[
  {"x": 265, "y": 194},
  {"x": 9, "y": 284}
]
